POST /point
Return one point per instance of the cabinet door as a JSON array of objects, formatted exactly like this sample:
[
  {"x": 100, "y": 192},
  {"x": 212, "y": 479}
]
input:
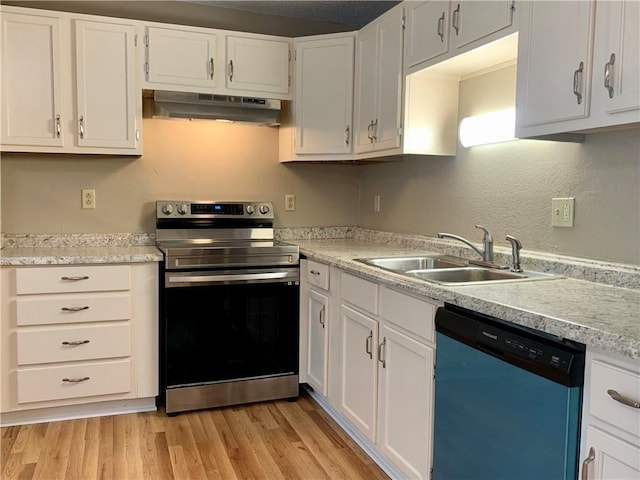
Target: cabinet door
[
  {"x": 616, "y": 84},
  {"x": 427, "y": 31},
  {"x": 257, "y": 65},
  {"x": 358, "y": 401},
  {"x": 612, "y": 458},
  {"x": 406, "y": 403},
  {"x": 366, "y": 81},
  {"x": 324, "y": 96},
  {"x": 31, "y": 81},
  {"x": 318, "y": 342},
  {"x": 182, "y": 58},
  {"x": 389, "y": 79},
  {"x": 106, "y": 86},
  {"x": 554, "y": 68},
  {"x": 473, "y": 19}
]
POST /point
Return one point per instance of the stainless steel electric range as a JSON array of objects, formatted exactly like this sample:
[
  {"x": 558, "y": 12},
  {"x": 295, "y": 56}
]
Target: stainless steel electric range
[{"x": 229, "y": 305}]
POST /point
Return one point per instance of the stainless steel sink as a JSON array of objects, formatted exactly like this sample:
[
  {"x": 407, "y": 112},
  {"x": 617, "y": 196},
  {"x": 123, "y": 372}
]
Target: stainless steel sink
[
  {"x": 405, "y": 264},
  {"x": 475, "y": 275}
]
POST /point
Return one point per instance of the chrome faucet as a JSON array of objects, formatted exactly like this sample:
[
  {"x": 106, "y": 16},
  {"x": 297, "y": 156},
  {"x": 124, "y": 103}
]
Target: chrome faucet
[
  {"x": 487, "y": 240},
  {"x": 515, "y": 252}
]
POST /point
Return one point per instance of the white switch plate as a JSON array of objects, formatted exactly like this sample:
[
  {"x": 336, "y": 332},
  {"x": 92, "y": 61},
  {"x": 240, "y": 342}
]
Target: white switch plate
[
  {"x": 290, "y": 202},
  {"x": 562, "y": 212},
  {"x": 88, "y": 198},
  {"x": 376, "y": 203}
]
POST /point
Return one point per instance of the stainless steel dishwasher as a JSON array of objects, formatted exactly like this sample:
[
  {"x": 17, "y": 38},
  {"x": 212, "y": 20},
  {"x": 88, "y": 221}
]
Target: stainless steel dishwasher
[{"x": 507, "y": 400}]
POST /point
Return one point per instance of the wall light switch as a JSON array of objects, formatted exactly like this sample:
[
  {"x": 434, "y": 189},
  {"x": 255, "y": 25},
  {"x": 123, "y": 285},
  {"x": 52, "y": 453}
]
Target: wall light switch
[
  {"x": 562, "y": 210},
  {"x": 88, "y": 198},
  {"x": 290, "y": 202}
]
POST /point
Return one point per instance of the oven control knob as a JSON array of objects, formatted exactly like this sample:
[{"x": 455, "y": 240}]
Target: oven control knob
[
  {"x": 167, "y": 209},
  {"x": 183, "y": 209},
  {"x": 250, "y": 210},
  {"x": 264, "y": 209}
]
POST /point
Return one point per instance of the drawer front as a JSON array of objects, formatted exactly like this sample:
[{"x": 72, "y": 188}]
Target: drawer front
[
  {"x": 72, "y": 309},
  {"x": 318, "y": 274},
  {"x": 414, "y": 315},
  {"x": 71, "y": 278},
  {"x": 42, "y": 384},
  {"x": 360, "y": 292},
  {"x": 609, "y": 377},
  {"x": 73, "y": 343}
]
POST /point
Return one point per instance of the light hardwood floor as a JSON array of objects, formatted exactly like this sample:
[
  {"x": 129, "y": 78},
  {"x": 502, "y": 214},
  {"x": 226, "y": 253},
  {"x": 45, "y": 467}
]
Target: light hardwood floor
[{"x": 271, "y": 440}]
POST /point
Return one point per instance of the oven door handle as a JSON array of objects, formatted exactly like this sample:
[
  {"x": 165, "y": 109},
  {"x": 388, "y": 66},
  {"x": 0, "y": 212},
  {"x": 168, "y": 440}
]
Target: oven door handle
[{"x": 232, "y": 278}]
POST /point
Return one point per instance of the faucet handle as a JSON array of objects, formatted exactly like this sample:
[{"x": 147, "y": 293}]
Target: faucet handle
[{"x": 487, "y": 234}]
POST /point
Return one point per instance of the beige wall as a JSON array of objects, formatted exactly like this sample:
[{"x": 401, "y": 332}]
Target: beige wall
[
  {"x": 182, "y": 159},
  {"x": 508, "y": 187}
]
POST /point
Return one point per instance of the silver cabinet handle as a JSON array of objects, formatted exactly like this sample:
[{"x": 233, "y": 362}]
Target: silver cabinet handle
[
  {"x": 75, "y": 343},
  {"x": 381, "y": 357},
  {"x": 81, "y": 126},
  {"x": 368, "y": 345},
  {"x": 346, "y": 136},
  {"x": 608, "y": 84},
  {"x": 441, "y": 28},
  {"x": 211, "y": 69},
  {"x": 576, "y": 82},
  {"x": 58, "y": 126},
  {"x": 322, "y": 317},
  {"x": 369, "y": 127},
  {"x": 231, "y": 70},
  {"x": 588, "y": 461},
  {"x": 74, "y": 279},
  {"x": 455, "y": 19},
  {"x": 314, "y": 272},
  {"x": 74, "y": 309},
  {"x": 624, "y": 400},
  {"x": 374, "y": 130},
  {"x": 75, "y": 380}
]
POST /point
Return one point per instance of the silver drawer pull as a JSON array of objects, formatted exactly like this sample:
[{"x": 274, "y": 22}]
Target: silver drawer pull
[
  {"x": 75, "y": 380},
  {"x": 75, "y": 343},
  {"x": 74, "y": 279},
  {"x": 74, "y": 309},
  {"x": 314, "y": 272},
  {"x": 622, "y": 399}
]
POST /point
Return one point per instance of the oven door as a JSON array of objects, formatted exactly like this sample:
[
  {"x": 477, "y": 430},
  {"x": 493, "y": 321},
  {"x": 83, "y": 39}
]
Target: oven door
[{"x": 229, "y": 325}]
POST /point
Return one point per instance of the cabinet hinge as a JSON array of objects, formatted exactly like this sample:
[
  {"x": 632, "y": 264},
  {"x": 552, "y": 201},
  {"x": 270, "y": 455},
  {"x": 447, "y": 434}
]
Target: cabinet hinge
[
  {"x": 295, "y": 56},
  {"x": 289, "y": 55},
  {"x": 404, "y": 22},
  {"x": 146, "y": 67},
  {"x": 289, "y": 81},
  {"x": 137, "y": 135},
  {"x": 513, "y": 5},
  {"x": 135, "y": 40},
  {"x": 400, "y": 131},
  {"x": 145, "y": 39}
]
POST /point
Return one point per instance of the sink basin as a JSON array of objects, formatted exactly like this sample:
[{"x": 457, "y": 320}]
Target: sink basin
[
  {"x": 473, "y": 276},
  {"x": 405, "y": 264}
]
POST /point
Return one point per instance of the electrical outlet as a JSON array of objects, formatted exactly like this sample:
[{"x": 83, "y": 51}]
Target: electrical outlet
[
  {"x": 376, "y": 203},
  {"x": 290, "y": 202},
  {"x": 88, "y": 198},
  {"x": 562, "y": 212}
]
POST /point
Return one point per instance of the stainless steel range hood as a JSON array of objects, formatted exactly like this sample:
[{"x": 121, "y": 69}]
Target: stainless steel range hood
[{"x": 261, "y": 111}]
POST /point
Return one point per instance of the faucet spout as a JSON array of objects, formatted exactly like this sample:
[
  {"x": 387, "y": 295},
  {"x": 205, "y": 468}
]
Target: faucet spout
[
  {"x": 463, "y": 240},
  {"x": 487, "y": 240}
]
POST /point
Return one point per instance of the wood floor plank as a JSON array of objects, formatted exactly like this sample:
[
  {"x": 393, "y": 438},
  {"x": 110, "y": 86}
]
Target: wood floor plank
[{"x": 263, "y": 441}]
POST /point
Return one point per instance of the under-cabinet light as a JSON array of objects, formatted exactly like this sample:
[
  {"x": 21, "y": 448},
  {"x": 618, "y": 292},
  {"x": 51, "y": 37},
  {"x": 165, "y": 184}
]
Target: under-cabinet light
[{"x": 492, "y": 127}]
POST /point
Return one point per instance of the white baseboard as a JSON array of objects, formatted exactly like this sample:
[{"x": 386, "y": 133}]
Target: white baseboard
[{"x": 72, "y": 412}]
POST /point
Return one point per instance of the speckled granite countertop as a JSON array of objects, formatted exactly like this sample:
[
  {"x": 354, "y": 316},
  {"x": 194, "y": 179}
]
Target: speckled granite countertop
[
  {"x": 598, "y": 315},
  {"x": 79, "y": 254}
]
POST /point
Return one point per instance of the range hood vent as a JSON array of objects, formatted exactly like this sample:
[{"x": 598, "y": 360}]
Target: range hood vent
[{"x": 253, "y": 110}]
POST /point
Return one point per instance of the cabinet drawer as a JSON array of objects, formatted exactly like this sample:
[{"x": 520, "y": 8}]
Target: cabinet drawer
[
  {"x": 318, "y": 274},
  {"x": 72, "y": 309},
  {"x": 360, "y": 292},
  {"x": 627, "y": 383},
  {"x": 412, "y": 314},
  {"x": 72, "y": 279},
  {"x": 42, "y": 384},
  {"x": 98, "y": 341}
]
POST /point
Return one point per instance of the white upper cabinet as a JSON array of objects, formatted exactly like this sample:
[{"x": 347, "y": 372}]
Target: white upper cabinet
[
  {"x": 379, "y": 83},
  {"x": 578, "y": 67},
  {"x": 323, "y": 98},
  {"x": 472, "y": 20},
  {"x": 31, "y": 81},
  {"x": 428, "y": 26},
  {"x": 179, "y": 56},
  {"x": 69, "y": 84},
  {"x": 106, "y": 89},
  {"x": 257, "y": 64},
  {"x": 615, "y": 91}
]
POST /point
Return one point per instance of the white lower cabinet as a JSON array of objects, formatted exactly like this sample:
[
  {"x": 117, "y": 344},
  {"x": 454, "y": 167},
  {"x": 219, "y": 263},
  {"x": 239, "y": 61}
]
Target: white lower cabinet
[
  {"x": 611, "y": 418},
  {"x": 318, "y": 343},
  {"x": 75, "y": 335}
]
